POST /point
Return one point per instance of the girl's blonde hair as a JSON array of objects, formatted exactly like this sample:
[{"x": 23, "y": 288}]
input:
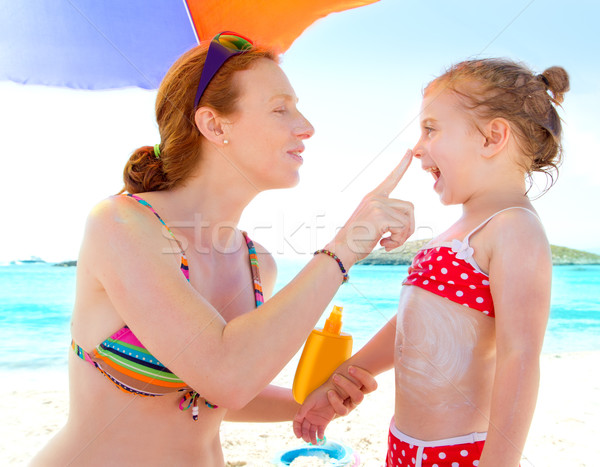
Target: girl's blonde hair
[{"x": 493, "y": 88}]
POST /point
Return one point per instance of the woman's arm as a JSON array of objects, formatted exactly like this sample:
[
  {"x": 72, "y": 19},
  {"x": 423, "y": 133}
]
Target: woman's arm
[
  {"x": 273, "y": 404},
  {"x": 187, "y": 334},
  {"x": 520, "y": 279},
  {"x": 276, "y": 404}
]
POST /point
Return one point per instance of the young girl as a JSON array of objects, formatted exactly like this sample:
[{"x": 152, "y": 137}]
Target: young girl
[{"x": 473, "y": 310}]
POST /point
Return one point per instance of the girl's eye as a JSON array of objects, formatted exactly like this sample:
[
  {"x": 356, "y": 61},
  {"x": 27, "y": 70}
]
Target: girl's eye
[
  {"x": 280, "y": 110},
  {"x": 428, "y": 130}
]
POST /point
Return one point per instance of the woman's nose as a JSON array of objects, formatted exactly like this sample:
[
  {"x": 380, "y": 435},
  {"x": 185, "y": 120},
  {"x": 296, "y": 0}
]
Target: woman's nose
[{"x": 305, "y": 130}]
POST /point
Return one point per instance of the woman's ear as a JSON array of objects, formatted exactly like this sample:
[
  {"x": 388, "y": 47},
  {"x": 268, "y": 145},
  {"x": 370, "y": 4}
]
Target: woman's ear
[
  {"x": 497, "y": 134},
  {"x": 210, "y": 125}
]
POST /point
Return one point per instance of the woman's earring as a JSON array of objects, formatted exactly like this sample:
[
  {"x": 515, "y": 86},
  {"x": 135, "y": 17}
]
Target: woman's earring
[{"x": 225, "y": 141}]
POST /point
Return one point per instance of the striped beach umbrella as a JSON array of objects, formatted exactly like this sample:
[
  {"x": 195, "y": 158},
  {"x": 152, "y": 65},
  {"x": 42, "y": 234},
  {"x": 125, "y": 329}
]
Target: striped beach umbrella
[{"x": 102, "y": 44}]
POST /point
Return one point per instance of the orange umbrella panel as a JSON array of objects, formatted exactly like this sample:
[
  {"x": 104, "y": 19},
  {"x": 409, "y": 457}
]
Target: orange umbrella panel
[{"x": 274, "y": 23}]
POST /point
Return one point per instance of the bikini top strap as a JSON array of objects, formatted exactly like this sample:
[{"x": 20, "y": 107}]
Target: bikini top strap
[
  {"x": 258, "y": 292},
  {"x": 480, "y": 226},
  {"x": 184, "y": 262}
]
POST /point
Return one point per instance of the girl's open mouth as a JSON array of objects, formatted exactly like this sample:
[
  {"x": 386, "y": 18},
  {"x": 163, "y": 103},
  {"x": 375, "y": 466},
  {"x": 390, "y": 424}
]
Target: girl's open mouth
[{"x": 434, "y": 171}]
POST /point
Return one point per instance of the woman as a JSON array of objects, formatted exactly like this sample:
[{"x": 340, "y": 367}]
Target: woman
[{"x": 180, "y": 298}]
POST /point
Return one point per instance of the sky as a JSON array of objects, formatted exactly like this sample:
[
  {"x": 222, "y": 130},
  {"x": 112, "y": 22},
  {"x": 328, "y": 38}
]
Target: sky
[{"x": 359, "y": 76}]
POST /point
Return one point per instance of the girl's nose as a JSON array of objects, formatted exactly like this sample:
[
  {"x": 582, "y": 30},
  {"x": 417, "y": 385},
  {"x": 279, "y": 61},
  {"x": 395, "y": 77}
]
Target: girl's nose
[{"x": 418, "y": 151}]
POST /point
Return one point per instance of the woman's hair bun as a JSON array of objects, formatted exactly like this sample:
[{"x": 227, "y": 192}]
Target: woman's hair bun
[{"x": 144, "y": 172}]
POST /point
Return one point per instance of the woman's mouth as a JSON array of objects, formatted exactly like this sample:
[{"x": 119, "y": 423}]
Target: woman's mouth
[{"x": 296, "y": 155}]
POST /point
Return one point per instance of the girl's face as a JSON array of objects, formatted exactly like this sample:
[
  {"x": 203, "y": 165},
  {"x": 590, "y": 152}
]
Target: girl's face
[
  {"x": 448, "y": 146},
  {"x": 266, "y": 133}
]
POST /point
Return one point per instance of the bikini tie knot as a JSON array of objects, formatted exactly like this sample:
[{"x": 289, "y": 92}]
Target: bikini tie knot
[
  {"x": 191, "y": 397},
  {"x": 462, "y": 249}
]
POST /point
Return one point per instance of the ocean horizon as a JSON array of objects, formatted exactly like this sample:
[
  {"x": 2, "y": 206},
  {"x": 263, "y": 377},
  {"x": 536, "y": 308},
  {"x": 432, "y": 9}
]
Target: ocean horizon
[
  {"x": 291, "y": 258},
  {"x": 37, "y": 300}
]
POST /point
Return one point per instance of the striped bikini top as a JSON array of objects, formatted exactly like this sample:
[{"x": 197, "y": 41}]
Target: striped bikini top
[
  {"x": 449, "y": 270},
  {"x": 124, "y": 360}
]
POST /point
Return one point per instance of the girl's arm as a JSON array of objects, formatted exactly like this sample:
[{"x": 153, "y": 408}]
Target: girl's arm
[
  {"x": 322, "y": 405},
  {"x": 377, "y": 355},
  {"x": 520, "y": 279}
]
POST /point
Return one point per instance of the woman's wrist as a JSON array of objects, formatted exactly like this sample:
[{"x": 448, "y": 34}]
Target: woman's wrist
[
  {"x": 343, "y": 251},
  {"x": 343, "y": 270},
  {"x": 340, "y": 255}
]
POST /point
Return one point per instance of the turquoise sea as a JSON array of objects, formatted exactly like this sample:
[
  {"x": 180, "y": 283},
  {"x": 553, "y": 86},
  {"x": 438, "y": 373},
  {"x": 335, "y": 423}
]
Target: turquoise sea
[{"x": 36, "y": 302}]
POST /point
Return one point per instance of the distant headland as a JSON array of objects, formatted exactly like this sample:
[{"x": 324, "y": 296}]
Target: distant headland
[
  {"x": 560, "y": 255},
  {"x": 66, "y": 264}
]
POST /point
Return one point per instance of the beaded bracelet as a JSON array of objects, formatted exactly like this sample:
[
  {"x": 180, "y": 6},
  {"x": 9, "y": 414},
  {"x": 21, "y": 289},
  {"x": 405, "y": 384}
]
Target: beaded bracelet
[{"x": 339, "y": 261}]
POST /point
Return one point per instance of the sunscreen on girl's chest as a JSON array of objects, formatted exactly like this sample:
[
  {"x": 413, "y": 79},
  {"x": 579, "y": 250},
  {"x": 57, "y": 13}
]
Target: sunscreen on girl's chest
[{"x": 324, "y": 350}]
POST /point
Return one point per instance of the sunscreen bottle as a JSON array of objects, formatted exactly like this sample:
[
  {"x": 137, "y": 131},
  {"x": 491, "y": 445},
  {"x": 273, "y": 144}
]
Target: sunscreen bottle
[{"x": 324, "y": 350}]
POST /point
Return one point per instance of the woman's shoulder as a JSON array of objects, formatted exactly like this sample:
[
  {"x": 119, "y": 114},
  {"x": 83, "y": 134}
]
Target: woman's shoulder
[
  {"x": 116, "y": 209},
  {"x": 108, "y": 208},
  {"x": 119, "y": 217},
  {"x": 123, "y": 237}
]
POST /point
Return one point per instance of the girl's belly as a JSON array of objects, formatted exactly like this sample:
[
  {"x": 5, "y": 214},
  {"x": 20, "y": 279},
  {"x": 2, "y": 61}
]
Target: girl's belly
[{"x": 445, "y": 361}]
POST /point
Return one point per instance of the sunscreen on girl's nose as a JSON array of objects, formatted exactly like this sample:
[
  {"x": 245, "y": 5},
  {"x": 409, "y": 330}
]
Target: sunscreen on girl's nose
[{"x": 324, "y": 350}]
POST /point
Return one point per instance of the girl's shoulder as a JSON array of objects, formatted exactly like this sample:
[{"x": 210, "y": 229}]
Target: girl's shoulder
[
  {"x": 464, "y": 230},
  {"x": 515, "y": 233},
  {"x": 513, "y": 221}
]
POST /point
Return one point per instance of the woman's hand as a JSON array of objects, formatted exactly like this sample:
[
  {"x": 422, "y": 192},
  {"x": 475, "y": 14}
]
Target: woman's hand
[
  {"x": 376, "y": 215},
  {"x": 338, "y": 396}
]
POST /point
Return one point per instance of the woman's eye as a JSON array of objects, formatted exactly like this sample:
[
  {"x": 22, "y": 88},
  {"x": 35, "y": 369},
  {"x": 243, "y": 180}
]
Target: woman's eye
[
  {"x": 280, "y": 110},
  {"x": 428, "y": 130}
]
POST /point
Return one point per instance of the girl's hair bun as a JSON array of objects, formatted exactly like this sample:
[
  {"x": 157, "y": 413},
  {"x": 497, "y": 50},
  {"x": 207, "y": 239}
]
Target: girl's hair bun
[{"x": 557, "y": 82}]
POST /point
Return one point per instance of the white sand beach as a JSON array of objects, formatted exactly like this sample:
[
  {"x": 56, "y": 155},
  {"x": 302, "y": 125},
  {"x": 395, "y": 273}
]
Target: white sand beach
[{"x": 565, "y": 430}]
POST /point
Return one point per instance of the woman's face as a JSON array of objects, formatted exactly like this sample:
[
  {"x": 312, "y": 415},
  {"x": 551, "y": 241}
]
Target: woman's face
[{"x": 267, "y": 131}]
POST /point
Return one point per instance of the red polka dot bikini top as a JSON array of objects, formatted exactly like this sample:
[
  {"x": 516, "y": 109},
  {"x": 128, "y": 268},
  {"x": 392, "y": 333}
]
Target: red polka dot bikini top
[{"x": 450, "y": 271}]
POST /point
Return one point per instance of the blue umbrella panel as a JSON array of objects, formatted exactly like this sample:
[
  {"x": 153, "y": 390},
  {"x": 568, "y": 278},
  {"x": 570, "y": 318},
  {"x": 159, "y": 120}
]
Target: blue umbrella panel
[{"x": 92, "y": 44}]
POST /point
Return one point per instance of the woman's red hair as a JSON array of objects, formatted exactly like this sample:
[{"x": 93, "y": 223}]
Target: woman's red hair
[{"x": 180, "y": 139}]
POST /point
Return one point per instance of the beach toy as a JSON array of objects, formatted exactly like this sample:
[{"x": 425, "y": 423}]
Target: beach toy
[
  {"x": 332, "y": 453},
  {"x": 324, "y": 350}
]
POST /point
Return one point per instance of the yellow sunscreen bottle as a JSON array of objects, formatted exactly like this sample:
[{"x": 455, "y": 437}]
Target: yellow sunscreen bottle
[{"x": 324, "y": 350}]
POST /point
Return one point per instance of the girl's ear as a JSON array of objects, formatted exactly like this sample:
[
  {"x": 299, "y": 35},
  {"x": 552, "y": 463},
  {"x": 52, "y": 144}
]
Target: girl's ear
[
  {"x": 497, "y": 133},
  {"x": 210, "y": 125}
]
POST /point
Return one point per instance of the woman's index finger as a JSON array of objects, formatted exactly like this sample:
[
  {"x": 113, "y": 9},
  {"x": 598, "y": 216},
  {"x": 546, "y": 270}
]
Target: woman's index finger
[{"x": 391, "y": 181}]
